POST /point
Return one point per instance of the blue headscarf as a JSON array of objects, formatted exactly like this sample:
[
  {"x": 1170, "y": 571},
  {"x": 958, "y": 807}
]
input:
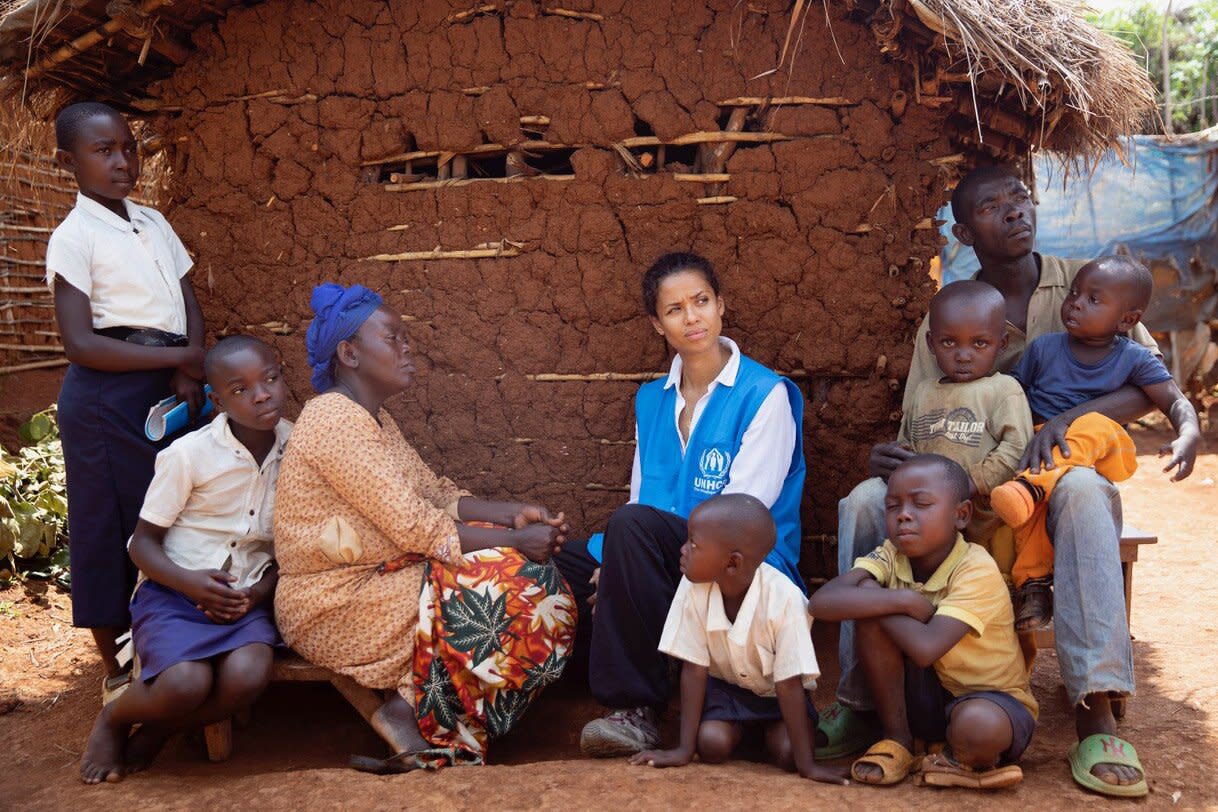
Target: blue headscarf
[{"x": 338, "y": 313}]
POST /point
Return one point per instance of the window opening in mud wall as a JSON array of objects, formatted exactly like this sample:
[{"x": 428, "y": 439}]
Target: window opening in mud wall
[{"x": 531, "y": 158}]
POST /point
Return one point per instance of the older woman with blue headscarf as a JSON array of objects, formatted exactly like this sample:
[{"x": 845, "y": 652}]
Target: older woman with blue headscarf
[{"x": 396, "y": 577}]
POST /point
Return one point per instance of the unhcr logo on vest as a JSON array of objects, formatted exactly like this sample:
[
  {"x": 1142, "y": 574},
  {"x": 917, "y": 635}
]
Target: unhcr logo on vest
[{"x": 714, "y": 465}]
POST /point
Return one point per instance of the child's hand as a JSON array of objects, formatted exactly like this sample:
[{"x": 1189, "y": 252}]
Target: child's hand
[
  {"x": 662, "y": 758},
  {"x": 917, "y": 606},
  {"x": 210, "y": 591},
  {"x": 829, "y": 775},
  {"x": 1183, "y": 453}
]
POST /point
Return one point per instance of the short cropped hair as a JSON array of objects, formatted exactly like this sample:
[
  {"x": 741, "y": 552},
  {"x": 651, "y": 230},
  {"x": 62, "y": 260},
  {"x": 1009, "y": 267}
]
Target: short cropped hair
[
  {"x": 230, "y": 345},
  {"x": 670, "y": 264},
  {"x": 72, "y": 118},
  {"x": 966, "y": 190},
  {"x": 972, "y": 291},
  {"x": 953, "y": 474},
  {"x": 1135, "y": 275}
]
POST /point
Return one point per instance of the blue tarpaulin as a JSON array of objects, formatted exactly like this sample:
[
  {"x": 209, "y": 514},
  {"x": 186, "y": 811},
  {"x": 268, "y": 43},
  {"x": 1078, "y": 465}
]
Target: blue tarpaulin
[{"x": 1162, "y": 206}]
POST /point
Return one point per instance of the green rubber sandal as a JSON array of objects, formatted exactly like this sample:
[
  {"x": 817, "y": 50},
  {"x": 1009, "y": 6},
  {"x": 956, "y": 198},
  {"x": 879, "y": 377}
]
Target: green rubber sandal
[
  {"x": 848, "y": 732},
  {"x": 1102, "y": 748}
]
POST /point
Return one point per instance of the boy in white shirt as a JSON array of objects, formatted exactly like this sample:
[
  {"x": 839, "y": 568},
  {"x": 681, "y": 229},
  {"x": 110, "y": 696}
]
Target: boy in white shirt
[
  {"x": 742, "y": 629},
  {"x": 202, "y": 624}
]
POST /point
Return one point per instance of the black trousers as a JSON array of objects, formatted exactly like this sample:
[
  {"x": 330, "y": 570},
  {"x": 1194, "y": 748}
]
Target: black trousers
[{"x": 640, "y": 571}]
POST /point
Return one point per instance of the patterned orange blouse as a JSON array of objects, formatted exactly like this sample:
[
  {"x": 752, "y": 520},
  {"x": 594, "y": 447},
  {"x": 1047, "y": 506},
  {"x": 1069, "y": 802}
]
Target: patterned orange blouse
[{"x": 352, "y": 495}]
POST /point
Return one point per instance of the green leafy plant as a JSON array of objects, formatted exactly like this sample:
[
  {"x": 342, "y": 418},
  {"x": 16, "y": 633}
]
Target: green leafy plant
[
  {"x": 34, "y": 504},
  {"x": 1191, "y": 33}
]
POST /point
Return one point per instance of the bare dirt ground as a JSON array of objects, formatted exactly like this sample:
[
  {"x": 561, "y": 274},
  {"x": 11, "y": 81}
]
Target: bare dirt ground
[{"x": 291, "y": 753}]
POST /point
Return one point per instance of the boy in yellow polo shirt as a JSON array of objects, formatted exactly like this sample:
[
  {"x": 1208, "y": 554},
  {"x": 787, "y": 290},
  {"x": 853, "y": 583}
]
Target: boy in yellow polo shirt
[{"x": 935, "y": 635}]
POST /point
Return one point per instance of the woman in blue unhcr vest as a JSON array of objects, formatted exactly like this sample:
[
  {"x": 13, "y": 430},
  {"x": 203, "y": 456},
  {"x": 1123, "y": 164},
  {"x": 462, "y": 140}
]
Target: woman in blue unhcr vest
[{"x": 718, "y": 423}]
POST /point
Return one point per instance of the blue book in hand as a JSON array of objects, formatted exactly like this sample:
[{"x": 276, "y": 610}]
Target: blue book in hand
[{"x": 170, "y": 416}]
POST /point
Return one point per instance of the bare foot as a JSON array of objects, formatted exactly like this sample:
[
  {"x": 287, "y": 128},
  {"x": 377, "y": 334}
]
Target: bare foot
[
  {"x": 396, "y": 723},
  {"x": 144, "y": 745},
  {"x": 103, "y": 758},
  {"x": 1096, "y": 717}
]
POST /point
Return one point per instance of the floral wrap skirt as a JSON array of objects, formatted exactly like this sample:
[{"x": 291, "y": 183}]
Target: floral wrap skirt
[{"x": 492, "y": 633}]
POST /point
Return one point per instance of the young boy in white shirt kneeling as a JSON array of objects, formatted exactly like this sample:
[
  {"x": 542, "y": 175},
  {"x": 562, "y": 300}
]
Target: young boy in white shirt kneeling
[{"x": 742, "y": 629}]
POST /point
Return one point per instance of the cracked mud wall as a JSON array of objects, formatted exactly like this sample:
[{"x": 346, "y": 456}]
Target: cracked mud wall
[{"x": 821, "y": 256}]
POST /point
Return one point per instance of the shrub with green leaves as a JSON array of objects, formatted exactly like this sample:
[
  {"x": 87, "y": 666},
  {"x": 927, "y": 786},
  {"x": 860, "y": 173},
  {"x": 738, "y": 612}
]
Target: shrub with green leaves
[{"x": 34, "y": 503}]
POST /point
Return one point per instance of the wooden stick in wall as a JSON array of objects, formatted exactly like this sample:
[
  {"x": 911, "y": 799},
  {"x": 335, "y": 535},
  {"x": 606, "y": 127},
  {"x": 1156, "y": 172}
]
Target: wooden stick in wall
[
  {"x": 574, "y": 15},
  {"x": 440, "y": 184},
  {"x": 563, "y": 377},
  {"x": 470, "y": 253},
  {"x": 714, "y": 177},
  {"x": 752, "y": 101},
  {"x": 54, "y": 362}
]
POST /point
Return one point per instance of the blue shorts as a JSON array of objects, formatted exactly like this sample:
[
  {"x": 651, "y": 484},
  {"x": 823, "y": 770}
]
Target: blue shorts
[
  {"x": 929, "y": 705},
  {"x": 726, "y": 702}
]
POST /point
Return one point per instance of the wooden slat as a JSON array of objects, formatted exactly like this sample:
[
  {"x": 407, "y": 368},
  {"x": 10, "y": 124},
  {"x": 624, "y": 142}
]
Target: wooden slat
[{"x": 1132, "y": 535}]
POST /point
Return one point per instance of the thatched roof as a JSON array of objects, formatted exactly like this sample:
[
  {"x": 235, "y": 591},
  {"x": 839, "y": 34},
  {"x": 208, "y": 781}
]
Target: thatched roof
[{"x": 1016, "y": 74}]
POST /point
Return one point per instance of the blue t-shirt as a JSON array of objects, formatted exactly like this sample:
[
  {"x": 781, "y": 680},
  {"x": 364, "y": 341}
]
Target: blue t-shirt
[{"x": 1055, "y": 381}]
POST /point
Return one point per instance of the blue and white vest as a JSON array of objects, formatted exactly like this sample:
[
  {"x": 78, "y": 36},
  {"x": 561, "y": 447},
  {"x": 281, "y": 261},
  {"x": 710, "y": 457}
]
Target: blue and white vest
[{"x": 677, "y": 483}]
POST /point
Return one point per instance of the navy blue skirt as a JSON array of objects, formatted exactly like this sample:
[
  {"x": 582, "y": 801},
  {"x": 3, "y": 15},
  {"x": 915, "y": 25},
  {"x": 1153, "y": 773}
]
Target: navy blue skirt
[
  {"x": 726, "y": 702},
  {"x": 109, "y": 464},
  {"x": 167, "y": 628}
]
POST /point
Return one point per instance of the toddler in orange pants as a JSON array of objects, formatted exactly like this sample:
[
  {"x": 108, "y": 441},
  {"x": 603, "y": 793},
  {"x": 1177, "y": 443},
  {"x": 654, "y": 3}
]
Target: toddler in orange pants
[
  {"x": 1094, "y": 441},
  {"x": 1062, "y": 374}
]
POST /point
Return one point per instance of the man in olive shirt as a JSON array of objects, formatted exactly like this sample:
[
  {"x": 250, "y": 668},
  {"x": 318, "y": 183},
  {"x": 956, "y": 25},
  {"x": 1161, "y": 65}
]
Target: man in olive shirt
[{"x": 996, "y": 217}]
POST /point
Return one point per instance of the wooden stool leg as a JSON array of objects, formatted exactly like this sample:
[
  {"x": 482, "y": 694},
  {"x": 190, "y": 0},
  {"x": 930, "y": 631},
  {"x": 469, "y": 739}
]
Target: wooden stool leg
[
  {"x": 219, "y": 740},
  {"x": 1127, "y": 575}
]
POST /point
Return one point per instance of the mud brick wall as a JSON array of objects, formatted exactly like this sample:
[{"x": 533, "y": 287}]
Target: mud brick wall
[{"x": 822, "y": 255}]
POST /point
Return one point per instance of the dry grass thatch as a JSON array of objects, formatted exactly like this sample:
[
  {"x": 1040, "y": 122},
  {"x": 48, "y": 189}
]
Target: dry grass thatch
[{"x": 1084, "y": 85}]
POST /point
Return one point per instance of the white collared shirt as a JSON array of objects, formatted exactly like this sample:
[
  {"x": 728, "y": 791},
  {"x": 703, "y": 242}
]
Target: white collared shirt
[
  {"x": 760, "y": 469},
  {"x": 771, "y": 639},
  {"x": 130, "y": 270},
  {"x": 216, "y": 501}
]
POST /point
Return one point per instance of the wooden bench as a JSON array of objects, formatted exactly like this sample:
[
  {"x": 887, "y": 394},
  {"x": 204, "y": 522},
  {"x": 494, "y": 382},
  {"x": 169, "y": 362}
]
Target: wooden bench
[
  {"x": 1132, "y": 540},
  {"x": 291, "y": 667}
]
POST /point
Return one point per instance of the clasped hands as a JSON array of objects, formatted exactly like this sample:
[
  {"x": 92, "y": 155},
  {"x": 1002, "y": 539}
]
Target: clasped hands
[{"x": 538, "y": 533}]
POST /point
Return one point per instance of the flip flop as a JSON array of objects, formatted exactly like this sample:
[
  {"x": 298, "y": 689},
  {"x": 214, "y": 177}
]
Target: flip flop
[
  {"x": 1103, "y": 748},
  {"x": 403, "y": 762},
  {"x": 894, "y": 761},
  {"x": 408, "y": 761},
  {"x": 848, "y": 732},
  {"x": 941, "y": 770},
  {"x": 112, "y": 687}
]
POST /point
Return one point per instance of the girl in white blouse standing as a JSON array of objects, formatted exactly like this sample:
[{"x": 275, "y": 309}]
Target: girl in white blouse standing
[{"x": 133, "y": 332}]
